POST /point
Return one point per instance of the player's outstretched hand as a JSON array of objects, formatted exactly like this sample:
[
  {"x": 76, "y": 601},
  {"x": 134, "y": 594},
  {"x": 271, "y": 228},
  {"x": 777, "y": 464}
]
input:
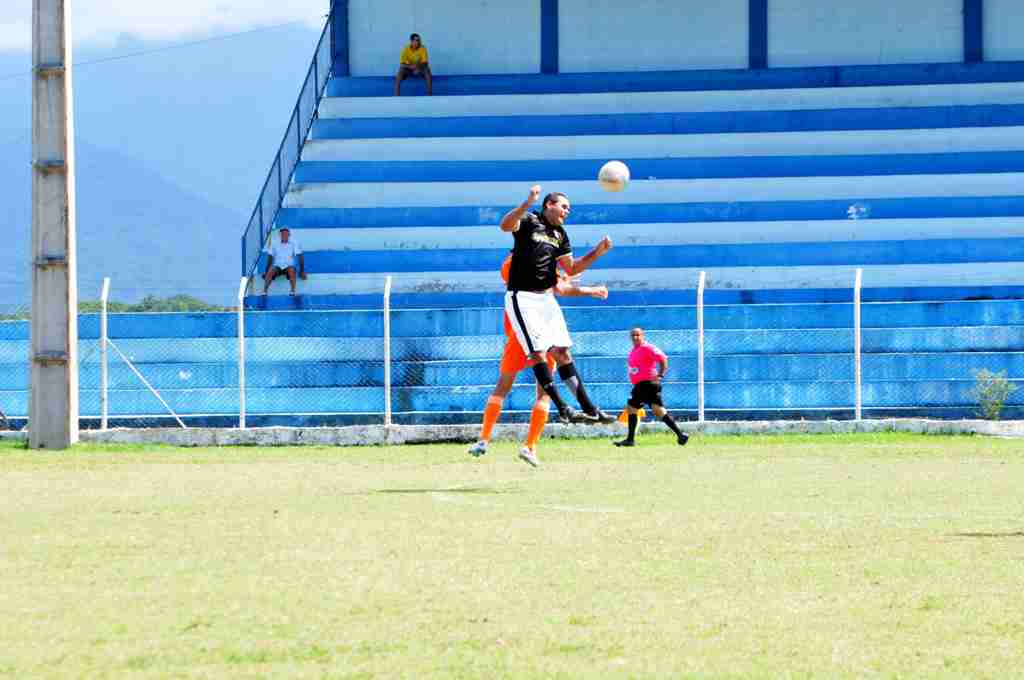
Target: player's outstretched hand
[
  {"x": 604, "y": 246},
  {"x": 534, "y": 194},
  {"x": 600, "y": 292}
]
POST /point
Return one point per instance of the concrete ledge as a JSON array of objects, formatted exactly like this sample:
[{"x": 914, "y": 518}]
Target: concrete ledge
[{"x": 378, "y": 435}]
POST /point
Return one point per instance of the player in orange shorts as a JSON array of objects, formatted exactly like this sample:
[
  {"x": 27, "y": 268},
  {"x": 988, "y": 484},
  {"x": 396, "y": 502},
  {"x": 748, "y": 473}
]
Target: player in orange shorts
[{"x": 513, "y": 360}]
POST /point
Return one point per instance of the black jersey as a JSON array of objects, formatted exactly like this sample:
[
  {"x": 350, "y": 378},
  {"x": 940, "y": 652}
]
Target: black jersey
[{"x": 538, "y": 245}]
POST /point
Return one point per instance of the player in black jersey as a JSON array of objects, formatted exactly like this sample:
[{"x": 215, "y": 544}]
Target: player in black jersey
[{"x": 541, "y": 245}]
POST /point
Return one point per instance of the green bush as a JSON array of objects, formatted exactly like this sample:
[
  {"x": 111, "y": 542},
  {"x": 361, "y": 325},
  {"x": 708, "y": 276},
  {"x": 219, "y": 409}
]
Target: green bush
[{"x": 991, "y": 390}]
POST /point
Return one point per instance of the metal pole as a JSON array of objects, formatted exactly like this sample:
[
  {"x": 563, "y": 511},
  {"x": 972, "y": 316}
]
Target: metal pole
[
  {"x": 242, "y": 285},
  {"x": 857, "y": 343},
  {"x": 53, "y": 402},
  {"x": 387, "y": 351},
  {"x": 145, "y": 382},
  {"x": 700, "y": 346},
  {"x": 104, "y": 403}
]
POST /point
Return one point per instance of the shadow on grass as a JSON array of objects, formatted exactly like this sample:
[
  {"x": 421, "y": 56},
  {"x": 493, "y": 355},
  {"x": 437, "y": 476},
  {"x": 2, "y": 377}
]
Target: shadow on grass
[{"x": 987, "y": 534}]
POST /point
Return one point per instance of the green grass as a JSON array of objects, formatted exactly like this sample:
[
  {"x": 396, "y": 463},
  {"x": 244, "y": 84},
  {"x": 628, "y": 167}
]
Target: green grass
[{"x": 741, "y": 557}]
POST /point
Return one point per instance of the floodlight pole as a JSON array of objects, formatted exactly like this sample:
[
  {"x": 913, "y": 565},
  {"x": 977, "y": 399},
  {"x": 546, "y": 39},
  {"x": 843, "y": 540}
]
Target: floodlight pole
[{"x": 53, "y": 406}]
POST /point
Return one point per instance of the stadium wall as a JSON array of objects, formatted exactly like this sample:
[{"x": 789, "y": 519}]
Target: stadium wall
[
  {"x": 1003, "y": 22},
  {"x": 461, "y": 36},
  {"x": 573, "y": 36},
  {"x": 801, "y": 33}
]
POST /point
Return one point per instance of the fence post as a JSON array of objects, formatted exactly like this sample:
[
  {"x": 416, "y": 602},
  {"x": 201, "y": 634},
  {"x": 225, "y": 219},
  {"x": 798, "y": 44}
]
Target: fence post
[
  {"x": 700, "y": 346},
  {"x": 104, "y": 404},
  {"x": 242, "y": 285},
  {"x": 857, "y": 343},
  {"x": 387, "y": 351}
]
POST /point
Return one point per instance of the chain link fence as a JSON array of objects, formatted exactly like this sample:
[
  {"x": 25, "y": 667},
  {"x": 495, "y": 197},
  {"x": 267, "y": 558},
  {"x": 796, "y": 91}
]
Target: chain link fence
[
  {"x": 14, "y": 368},
  {"x": 221, "y": 365}
]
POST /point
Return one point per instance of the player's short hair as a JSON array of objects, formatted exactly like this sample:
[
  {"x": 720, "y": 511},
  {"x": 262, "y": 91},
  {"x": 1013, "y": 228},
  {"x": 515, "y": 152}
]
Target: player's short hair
[
  {"x": 415, "y": 36},
  {"x": 552, "y": 197}
]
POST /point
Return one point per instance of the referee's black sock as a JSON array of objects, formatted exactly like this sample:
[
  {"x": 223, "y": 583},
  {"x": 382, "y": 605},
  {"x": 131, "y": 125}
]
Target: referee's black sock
[
  {"x": 668, "y": 420},
  {"x": 571, "y": 378},
  {"x": 547, "y": 383},
  {"x": 633, "y": 419}
]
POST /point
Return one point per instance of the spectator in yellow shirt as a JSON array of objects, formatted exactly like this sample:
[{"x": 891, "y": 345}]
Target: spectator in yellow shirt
[{"x": 413, "y": 62}]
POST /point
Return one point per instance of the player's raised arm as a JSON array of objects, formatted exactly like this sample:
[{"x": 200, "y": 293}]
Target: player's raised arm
[
  {"x": 573, "y": 267},
  {"x": 510, "y": 222}
]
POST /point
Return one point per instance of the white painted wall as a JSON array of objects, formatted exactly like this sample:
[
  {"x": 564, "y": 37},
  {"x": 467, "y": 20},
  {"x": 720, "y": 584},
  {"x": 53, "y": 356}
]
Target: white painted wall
[
  {"x": 651, "y": 35},
  {"x": 1004, "y": 30},
  {"x": 462, "y": 36},
  {"x": 836, "y": 32}
]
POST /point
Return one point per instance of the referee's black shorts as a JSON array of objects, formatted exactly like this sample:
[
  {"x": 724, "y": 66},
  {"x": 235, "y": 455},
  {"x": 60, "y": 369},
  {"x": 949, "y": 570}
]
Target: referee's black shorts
[{"x": 645, "y": 392}]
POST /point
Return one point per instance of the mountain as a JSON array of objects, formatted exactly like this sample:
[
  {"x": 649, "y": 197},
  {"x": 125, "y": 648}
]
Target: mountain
[
  {"x": 173, "y": 147},
  {"x": 150, "y": 236},
  {"x": 207, "y": 117}
]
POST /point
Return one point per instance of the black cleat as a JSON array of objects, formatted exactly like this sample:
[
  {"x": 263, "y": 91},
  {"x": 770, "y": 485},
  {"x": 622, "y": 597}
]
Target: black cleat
[
  {"x": 571, "y": 415},
  {"x": 604, "y": 418},
  {"x": 682, "y": 439},
  {"x": 625, "y": 442}
]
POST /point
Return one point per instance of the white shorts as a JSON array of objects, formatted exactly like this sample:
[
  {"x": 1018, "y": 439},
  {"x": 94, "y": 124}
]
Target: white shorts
[{"x": 537, "y": 321}]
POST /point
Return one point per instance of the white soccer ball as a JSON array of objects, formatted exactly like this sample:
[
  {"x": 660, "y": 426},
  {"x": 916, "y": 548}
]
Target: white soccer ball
[{"x": 613, "y": 176}]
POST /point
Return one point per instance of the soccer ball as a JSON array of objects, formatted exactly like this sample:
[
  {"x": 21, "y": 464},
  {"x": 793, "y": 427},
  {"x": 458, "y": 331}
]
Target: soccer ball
[{"x": 613, "y": 176}]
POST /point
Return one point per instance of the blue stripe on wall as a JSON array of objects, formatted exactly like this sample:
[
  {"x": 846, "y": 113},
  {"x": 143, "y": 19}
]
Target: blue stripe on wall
[
  {"x": 758, "y": 38},
  {"x": 339, "y": 38},
  {"x": 662, "y": 168},
  {"x": 688, "y": 81},
  {"x": 549, "y": 36},
  {"x": 834, "y": 253},
  {"x": 895, "y": 118},
  {"x": 642, "y": 297},
  {"x": 974, "y": 31},
  {"x": 750, "y": 211}
]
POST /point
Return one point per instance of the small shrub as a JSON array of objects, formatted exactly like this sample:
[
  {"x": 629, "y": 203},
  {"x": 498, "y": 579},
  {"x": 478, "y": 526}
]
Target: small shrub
[{"x": 991, "y": 390}]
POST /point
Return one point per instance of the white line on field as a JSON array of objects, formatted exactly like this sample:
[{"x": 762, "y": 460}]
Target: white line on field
[{"x": 449, "y": 498}]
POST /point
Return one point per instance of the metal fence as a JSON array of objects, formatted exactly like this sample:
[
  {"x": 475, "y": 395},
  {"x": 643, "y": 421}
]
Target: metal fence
[
  {"x": 265, "y": 212},
  {"x": 246, "y": 368}
]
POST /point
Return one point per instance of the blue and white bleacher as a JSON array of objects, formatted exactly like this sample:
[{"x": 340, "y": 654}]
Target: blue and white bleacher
[{"x": 779, "y": 192}]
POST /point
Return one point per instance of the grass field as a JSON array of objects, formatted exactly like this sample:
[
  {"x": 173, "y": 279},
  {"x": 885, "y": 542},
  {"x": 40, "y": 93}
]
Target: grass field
[{"x": 797, "y": 556}]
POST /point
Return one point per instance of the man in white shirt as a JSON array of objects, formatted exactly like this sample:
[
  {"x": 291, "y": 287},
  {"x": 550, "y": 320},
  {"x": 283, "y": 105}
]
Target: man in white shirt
[{"x": 283, "y": 254}]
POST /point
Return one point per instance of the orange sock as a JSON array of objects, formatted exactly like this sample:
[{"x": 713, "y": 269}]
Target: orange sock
[
  {"x": 491, "y": 413},
  {"x": 538, "y": 419}
]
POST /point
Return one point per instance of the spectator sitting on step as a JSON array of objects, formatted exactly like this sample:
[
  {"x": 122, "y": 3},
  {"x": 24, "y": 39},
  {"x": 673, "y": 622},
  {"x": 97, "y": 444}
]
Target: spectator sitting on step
[
  {"x": 414, "y": 62},
  {"x": 281, "y": 262}
]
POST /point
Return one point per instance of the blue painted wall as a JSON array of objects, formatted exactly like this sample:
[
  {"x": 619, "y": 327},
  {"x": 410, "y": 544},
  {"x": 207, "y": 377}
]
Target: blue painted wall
[
  {"x": 461, "y": 36},
  {"x": 1003, "y": 22},
  {"x": 651, "y": 35},
  {"x": 532, "y": 36},
  {"x": 836, "y": 32}
]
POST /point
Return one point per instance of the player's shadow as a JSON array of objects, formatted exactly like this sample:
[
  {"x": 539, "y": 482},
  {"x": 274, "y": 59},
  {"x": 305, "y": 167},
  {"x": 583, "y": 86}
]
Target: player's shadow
[
  {"x": 452, "y": 489},
  {"x": 990, "y": 534}
]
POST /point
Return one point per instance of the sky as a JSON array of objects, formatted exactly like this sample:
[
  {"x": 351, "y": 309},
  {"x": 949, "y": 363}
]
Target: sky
[{"x": 104, "y": 23}]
